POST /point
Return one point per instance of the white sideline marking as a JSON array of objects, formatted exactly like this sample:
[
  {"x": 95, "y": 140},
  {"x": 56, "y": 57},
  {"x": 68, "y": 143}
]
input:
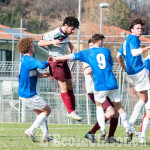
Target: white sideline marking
[{"x": 48, "y": 128}]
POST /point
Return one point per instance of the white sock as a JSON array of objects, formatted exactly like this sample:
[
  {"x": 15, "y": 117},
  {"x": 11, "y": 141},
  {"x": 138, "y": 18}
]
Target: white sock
[
  {"x": 145, "y": 126},
  {"x": 124, "y": 120},
  {"x": 44, "y": 129},
  {"x": 137, "y": 109},
  {"x": 39, "y": 120},
  {"x": 100, "y": 117}
]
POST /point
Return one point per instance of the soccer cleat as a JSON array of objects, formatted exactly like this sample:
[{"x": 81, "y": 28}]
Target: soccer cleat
[
  {"x": 50, "y": 139},
  {"x": 102, "y": 135},
  {"x": 142, "y": 140},
  {"x": 31, "y": 136},
  {"x": 111, "y": 140},
  {"x": 129, "y": 135},
  {"x": 90, "y": 136},
  {"x": 134, "y": 130},
  {"x": 74, "y": 116}
]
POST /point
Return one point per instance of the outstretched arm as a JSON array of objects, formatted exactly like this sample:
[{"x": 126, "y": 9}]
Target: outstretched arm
[
  {"x": 64, "y": 57},
  {"x": 121, "y": 63},
  {"x": 43, "y": 75},
  {"x": 46, "y": 43}
]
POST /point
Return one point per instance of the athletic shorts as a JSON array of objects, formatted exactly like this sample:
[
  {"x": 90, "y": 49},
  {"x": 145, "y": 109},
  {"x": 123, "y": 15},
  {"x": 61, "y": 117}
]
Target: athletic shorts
[
  {"x": 107, "y": 103},
  {"x": 141, "y": 80},
  {"x": 35, "y": 102},
  {"x": 100, "y": 96},
  {"x": 59, "y": 70}
]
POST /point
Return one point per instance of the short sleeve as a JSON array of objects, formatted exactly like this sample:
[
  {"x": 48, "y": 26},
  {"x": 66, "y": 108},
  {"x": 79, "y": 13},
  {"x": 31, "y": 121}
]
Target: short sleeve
[
  {"x": 134, "y": 43},
  {"x": 120, "y": 52}
]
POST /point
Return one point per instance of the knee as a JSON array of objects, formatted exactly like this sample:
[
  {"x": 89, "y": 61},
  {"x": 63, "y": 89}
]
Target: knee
[
  {"x": 47, "y": 111},
  {"x": 110, "y": 112}
]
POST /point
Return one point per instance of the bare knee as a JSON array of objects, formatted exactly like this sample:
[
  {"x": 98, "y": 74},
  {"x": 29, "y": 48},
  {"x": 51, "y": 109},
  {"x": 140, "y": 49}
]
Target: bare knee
[
  {"x": 47, "y": 110},
  {"x": 110, "y": 112}
]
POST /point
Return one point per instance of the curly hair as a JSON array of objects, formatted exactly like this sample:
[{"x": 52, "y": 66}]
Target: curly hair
[
  {"x": 24, "y": 44},
  {"x": 97, "y": 37},
  {"x": 137, "y": 21},
  {"x": 71, "y": 21}
]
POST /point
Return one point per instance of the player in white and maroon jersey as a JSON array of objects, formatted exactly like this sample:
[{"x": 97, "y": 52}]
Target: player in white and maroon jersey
[{"x": 57, "y": 42}]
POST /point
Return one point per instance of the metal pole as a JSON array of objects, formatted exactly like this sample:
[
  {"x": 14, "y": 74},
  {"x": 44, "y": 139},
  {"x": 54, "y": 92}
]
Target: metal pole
[
  {"x": 20, "y": 33},
  {"x": 78, "y": 49},
  {"x": 101, "y": 20}
]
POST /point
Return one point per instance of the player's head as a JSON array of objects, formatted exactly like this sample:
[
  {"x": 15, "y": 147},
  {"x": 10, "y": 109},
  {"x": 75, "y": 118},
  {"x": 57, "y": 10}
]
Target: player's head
[
  {"x": 98, "y": 39},
  {"x": 136, "y": 26},
  {"x": 25, "y": 45},
  {"x": 90, "y": 43},
  {"x": 70, "y": 23}
]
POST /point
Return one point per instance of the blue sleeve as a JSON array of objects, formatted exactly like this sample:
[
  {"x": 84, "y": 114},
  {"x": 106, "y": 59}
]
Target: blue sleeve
[
  {"x": 120, "y": 51},
  {"x": 34, "y": 63},
  {"x": 82, "y": 55},
  {"x": 134, "y": 43},
  {"x": 147, "y": 64}
]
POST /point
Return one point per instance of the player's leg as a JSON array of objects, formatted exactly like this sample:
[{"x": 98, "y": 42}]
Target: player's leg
[
  {"x": 36, "y": 102},
  {"x": 40, "y": 118},
  {"x": 60, "y": 71},
  {"x": 112, "y": 128},
  {"x": 146, "y": 122},
  {"x": 100, "y": 97},
  {"x": 109, "y": 112},
  {"x": 91, "y": 97},
  {"x": 140, "y": 130},
  {"x": 138, "y": 107},
  {"x": 114, "y": 95},
  {"x": 141, "y": 82}
]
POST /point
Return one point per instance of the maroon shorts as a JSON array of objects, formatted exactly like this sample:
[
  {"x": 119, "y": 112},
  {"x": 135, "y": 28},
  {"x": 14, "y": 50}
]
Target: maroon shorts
[
  {"x": 107, "y": 103},
  {"x": 59, "y": 70}
]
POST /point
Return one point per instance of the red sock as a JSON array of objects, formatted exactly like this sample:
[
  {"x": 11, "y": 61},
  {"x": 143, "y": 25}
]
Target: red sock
[
  {"x": 142, "y": 123},
  {"x": 97, "y": 127},
  {"x": 72, "y": 99},
  {"x": 67, "y": 101},
  {"x": 91, "y": 96},
  {"x": 113, "y": 126}
]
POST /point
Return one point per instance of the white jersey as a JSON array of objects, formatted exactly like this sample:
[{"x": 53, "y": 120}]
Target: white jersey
[
  {"x": 57, "y": 50},
  {"x": 89, "y": 83}
]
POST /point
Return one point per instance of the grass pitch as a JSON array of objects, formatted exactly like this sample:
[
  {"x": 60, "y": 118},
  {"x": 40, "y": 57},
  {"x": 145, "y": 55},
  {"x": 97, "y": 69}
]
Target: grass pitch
[{"x": 70, "y": 137}]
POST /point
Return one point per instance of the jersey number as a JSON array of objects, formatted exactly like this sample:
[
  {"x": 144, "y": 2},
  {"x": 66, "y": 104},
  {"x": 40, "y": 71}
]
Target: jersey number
[{"x": 101, "y": 61}]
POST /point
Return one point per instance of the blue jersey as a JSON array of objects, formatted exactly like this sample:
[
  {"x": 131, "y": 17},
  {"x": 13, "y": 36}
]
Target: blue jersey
[
  {"x": 28, "y": 76},
  {"x": 101, "y": 63},
  {"x": 133, "y": 64},
  {"x": 147, "y": 63}
]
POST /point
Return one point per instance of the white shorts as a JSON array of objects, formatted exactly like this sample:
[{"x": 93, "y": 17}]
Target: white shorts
[
  {"x": 100, "y": 96},
  {"x": 35, "y": 102},
  {"x": 141, "y": 80}
]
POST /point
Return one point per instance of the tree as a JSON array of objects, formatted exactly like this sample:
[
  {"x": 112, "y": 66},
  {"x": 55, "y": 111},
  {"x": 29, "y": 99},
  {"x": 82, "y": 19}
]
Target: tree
[{"x": 118, "y": 15}]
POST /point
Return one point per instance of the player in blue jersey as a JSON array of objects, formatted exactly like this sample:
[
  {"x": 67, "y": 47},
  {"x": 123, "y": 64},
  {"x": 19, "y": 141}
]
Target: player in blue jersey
[
  {"x": 131, "y": 50},
  {"x": 105, "y": 83},
  {"x": 57, "y": 42},
  {"x": 27, "y": 90},
  {"x": 107, "y": 106},
  {"x": 146, "y": 118}
]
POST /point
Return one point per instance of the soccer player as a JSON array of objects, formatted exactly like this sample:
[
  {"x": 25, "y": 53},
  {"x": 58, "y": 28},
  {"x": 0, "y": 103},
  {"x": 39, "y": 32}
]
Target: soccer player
[
  {"x": 108, "y": 106},
  {"x": 146, "y": 117},
  {"x": 131, "y": 50},
  {"x": 27, "y": 88},
  {"x": 105, "y": 83},
  {"x": 57, "y": 42}
]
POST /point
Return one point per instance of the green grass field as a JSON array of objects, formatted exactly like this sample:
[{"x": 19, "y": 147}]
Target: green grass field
[{"x": 71, "y": 137}]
